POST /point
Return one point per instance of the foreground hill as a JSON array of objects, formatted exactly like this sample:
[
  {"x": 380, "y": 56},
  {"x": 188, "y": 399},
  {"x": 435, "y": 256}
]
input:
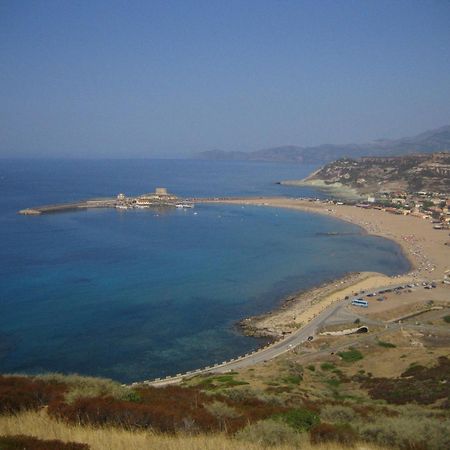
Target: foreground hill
[
  {"x": 430, "y": 141},
  {"x": 371, "y": 175}
]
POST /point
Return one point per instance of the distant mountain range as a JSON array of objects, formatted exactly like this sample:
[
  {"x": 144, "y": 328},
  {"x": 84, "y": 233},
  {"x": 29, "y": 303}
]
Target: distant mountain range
[{"x": 428, "y": 142}]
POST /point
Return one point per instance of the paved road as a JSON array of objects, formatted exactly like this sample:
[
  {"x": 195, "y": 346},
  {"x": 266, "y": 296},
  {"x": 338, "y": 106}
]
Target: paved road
[
  {"x": 288, "y": 343},
  {"x": 274, "y": 350}
]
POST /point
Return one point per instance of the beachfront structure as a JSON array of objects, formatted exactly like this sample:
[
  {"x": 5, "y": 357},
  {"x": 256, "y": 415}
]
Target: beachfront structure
[{"x": 159, "y": 197}]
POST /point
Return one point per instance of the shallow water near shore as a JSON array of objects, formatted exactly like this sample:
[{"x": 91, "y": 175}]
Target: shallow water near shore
[{"x": 139, "y": 294}]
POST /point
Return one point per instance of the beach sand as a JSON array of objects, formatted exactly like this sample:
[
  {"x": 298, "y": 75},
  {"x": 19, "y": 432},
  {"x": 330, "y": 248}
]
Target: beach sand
[{"x": 421, "y": 244}]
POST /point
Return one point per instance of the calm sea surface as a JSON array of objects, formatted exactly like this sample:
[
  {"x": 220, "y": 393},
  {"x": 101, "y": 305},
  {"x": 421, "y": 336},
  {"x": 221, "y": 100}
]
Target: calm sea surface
[{"x": 133, "y": 295}]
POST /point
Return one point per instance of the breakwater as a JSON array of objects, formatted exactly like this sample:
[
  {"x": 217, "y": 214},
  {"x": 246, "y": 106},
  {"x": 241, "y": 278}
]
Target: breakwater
[
  {"x": 124, "y": 203},
  {"x": 63, "y": 207}
]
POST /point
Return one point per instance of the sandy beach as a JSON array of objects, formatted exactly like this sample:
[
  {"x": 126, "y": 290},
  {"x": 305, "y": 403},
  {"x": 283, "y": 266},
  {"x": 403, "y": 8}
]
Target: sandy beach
[{"x": 422, "y": 245}]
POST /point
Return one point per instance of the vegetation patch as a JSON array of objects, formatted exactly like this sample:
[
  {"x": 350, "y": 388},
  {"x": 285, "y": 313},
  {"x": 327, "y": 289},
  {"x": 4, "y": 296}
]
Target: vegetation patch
[
  {"x": 418, "y": 384},
  {"x": 446, "y": 319},
  {"x": 386, "y": 344},
  {"x": 22, "y": 442},
  {"x": 326, "y": 432},
  {"x": 19, "y": 393},
  {"x": 293, "y": 379},
  {"x": 269, "y": 433},
  {"x": 327, "y": 366},
  {"x": 220, "y": 382},
  {"x": 351, "y": 355},
  {"x": 170, "y": 409},
  {"x": 299, "y": 419},
  {"x": 337, "y": 414},
  {"x": 333, "y": 382},
  {"x": 84, "y": 387},
  {"x": 408, "y": 433}
]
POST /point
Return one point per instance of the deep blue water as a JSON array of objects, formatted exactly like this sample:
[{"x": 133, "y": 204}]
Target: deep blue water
[{"x": 137, "y": 294}]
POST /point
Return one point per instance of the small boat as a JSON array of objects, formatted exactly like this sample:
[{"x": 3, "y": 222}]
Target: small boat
[{"x": 184, "y": 205}]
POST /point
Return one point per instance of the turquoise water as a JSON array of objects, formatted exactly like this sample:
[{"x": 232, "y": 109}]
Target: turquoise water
[{"x": 138, "y": 294}]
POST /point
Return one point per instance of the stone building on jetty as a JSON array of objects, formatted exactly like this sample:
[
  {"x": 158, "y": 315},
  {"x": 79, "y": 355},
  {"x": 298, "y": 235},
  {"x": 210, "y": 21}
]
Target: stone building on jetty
[{"x": 159, "y": 198}]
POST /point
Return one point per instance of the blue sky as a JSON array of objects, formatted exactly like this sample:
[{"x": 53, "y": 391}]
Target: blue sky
[{"x": 168, "y": 78}]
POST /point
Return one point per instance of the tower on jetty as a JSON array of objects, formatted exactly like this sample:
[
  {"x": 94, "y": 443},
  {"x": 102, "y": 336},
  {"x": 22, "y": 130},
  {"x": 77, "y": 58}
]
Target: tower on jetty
[{"x": 159, "y": 197}]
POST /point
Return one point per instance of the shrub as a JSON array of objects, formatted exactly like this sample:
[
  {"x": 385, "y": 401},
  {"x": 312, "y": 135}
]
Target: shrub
[
  {"x": 169, "y": 410},
  {"x": 333, "y": 382},
  {"x": 408, "y": 433},
  {"x": 269, "y": 433},
  {"x": 327, "y": 366},
  {"x": 417, "y": 384},
  {"x": 386, "y": 344},
  {"x": 90, "y": 387},
  {"x": 293, "y": 379},
  {"x": 337, "y": 414},
  {"x": 325, "y": 432},
  {"x": 299, "y": 419},
  {"x": 219, "y": 382},
  {"x": 446, "y": 319},
  {"x": 221, "y": 410},
  {"x": 311, "y": 367},
  {"x": 351, "y": 355},
  {"x": 166, "y": 409},
  {"x": 19, "y": 393},
  {"x": 21, "y": 442}
]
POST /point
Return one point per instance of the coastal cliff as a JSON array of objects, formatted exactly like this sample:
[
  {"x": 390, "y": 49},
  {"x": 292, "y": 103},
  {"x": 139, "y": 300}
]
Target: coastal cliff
[{"x": 371, "y": 175}]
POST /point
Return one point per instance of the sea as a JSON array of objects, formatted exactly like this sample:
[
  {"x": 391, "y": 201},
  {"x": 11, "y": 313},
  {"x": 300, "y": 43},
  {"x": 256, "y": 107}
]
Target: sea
[{"x": 138, "y": 294}]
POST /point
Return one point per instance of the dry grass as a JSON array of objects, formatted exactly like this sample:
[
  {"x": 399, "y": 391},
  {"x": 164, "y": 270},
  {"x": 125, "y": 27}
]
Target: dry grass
[{"x": 38, "y": 424}]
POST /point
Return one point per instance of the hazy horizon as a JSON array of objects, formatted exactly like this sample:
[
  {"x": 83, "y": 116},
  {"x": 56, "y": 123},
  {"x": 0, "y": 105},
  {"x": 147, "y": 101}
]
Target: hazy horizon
[{"x": 112, "y": 79}]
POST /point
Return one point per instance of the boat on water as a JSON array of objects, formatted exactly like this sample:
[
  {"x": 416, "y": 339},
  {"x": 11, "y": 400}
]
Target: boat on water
[{"x": 184, "y": 205}]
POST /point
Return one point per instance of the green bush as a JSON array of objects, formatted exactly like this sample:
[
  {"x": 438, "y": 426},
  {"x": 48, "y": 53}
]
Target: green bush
[
  {"x": 327, "y": 366},
  {"x": 446, "y": 319},
  {"x": 299, "y": 419},
  {"x": 293, "y": 379},
  {"x": 351, "y": 355},
  {"x": 311, "y": 367},
  {"x": 386, "y": 344},
  {"x": 268, "y": 433},
  {"x": 333, "y": 382}
]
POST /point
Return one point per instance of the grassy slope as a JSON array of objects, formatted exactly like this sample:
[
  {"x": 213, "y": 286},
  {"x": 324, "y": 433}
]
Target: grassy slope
[{"x": 40, "y": 425}]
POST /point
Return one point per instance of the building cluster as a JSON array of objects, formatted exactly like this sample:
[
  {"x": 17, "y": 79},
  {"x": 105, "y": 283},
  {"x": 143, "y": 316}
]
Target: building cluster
[
  {"x": 159, "y": 198},
  {"x": 427, "y": 205}
]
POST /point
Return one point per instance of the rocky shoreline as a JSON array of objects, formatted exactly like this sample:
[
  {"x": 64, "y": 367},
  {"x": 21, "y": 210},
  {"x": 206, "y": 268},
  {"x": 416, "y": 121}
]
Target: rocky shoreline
[{"x": 266, "y": 325}]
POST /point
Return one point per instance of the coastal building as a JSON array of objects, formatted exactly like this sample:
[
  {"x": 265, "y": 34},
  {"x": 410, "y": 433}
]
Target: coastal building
[{"x": 157, "y": 198}]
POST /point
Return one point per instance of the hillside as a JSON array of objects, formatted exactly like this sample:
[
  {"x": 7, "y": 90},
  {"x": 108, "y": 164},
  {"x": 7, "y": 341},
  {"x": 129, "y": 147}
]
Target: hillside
[
  {"x": 371, "y": 175},
  {"x": 430, "y": 141}
]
